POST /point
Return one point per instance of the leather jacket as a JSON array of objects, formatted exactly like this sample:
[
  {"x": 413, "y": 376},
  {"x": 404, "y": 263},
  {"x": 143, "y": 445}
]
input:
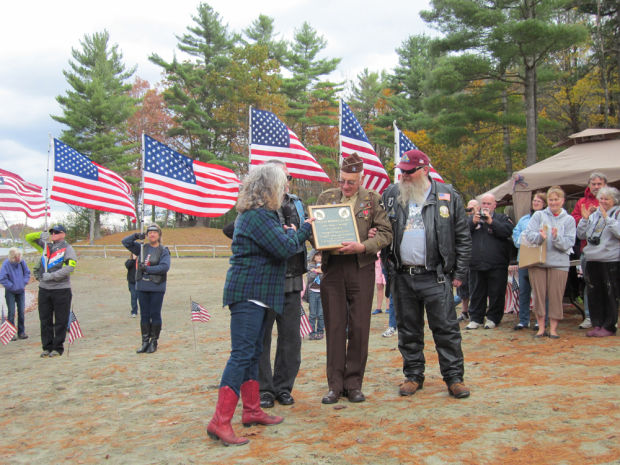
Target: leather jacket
[{"x": 448, "y": 241}]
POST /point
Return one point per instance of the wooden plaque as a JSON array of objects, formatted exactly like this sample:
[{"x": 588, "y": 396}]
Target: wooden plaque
[{"x": 333, "y": 225}]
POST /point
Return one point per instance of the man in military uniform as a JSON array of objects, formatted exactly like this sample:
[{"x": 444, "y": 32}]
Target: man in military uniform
[{"x": 348, "y": 284}]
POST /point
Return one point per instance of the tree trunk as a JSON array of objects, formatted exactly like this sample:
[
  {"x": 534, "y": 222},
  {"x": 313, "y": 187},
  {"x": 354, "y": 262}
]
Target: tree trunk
[
  {"x": 506, "y": 151},
  {"x": 91, "y": 234},
  {"x": 531, "y": 118}
]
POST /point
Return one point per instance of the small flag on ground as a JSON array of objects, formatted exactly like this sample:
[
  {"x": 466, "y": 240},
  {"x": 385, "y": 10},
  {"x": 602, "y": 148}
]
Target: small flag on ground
[
  {"x": 199, "y": 313},
  {"x": 304, "y": 325},
  {"x": 7, "y": 331},
  {"x": 512, "y": 295},
  {"x": 73, "y": 329}
]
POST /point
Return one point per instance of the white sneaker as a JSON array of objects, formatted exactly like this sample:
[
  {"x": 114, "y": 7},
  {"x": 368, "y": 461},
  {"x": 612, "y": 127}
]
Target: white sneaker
[
  {"x": 489, "y": 324},
  {"x": 389, "y": 332},
  {"x": 585, "y": 324},
  {"x": 473, "y": 325}
]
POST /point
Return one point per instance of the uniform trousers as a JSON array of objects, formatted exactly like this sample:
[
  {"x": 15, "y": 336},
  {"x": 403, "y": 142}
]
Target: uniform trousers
[
  {"x": 347, "y": 292},
  {"x": 411, "y": 294},
  {"x": 288, "y": 348}
]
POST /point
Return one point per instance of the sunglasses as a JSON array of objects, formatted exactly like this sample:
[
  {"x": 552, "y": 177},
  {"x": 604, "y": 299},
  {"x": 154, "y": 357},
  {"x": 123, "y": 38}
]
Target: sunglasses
[
  {"x": 411, "y": 171},
  {"x": 348, "y": 182},
  {"x": 53, "y": 231}
]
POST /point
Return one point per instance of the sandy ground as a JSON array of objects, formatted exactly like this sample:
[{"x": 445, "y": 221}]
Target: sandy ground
[{"x": 533, "y": 401}]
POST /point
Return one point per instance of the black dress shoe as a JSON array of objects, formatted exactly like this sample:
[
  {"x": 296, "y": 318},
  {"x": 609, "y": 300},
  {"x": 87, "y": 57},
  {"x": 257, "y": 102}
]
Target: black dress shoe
[
  {"x": 331, "y": 397},
  {"x": 266, "y": 400},
  {"x": 356, "y": 395},
  {"x": 284, "y": 398}
]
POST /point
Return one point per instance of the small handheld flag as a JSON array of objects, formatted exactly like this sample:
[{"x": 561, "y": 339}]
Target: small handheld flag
[{"x": 7, "y": 330}]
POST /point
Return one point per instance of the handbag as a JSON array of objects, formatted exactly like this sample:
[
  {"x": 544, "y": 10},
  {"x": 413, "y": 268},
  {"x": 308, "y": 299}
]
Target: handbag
[{"x": 532, "y": 254}]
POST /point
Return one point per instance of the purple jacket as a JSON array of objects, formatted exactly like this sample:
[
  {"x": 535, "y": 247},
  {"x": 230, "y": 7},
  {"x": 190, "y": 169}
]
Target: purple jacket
[{"x": 14, "y": 276}]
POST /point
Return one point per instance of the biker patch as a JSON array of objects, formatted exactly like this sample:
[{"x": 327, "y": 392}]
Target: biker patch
[{"x": 444, "y": 212}]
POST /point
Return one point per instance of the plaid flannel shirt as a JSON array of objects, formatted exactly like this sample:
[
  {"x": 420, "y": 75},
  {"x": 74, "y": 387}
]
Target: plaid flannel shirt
[{"x": 260, "y": 248}]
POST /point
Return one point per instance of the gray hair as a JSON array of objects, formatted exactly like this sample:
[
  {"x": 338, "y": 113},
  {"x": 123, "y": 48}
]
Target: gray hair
[
  {"x": 610, "y": 192},
  {"x": 14, "y": 252},
  {"x": 598, "y": 175},
  {"x": 264, "y": 186}
]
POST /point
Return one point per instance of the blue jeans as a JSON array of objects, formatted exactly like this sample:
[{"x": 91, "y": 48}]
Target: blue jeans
[
  {"x": 150, "y": 307},
  {"x": 134, "y": 298},
  {"x": 391, "y": 314},
  {"x": 525, "y": 294},
  {"x": 20, "y": 300},
  {"x": 247, "y": 326},
  {"x": 316, "y": 312}
]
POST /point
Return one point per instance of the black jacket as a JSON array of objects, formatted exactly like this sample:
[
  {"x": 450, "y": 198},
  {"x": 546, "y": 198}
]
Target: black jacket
[
  {"x": 491, "y": 245},
  {"x": 448, "y": 242}
]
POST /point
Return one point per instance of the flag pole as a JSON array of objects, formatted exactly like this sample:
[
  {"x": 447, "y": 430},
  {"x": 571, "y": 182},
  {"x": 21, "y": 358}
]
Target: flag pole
[
  {"x": 339, "y": 132},
  {"x": 69, "y": 344},
  {"x": 396, "y": 153},
  {"x": 143, "y": 212},
  {"x": 193, "y": 326},
  {"x": 47, "y": 179},
  {"x": 250, "y": 138}
]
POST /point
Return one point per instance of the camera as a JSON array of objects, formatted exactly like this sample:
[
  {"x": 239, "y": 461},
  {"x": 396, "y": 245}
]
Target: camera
[
  {"x": 595, "y": 240},
  {"x": 484, "y": 215},
  {"x": 469, "y": 210}
]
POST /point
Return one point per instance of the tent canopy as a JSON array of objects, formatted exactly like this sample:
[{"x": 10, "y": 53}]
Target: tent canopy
[{"x": 592, "y": 150}]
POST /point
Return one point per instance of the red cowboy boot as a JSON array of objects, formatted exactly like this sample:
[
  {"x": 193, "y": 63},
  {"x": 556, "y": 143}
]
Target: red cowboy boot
[
  {"x": 252, "y": 413},
  {"x": 219, "y": 426}
]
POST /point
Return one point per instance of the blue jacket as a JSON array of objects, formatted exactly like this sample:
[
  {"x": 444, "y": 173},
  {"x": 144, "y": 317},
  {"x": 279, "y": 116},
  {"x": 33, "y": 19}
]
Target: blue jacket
[
  {"x": 145, "y": 283},
  {"x": 260, "y": 248},
  {"x": 14, "y": 276}
]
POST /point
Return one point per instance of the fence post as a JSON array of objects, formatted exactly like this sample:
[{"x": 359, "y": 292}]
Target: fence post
[
  {"x": 176, "y": 251},
  {"x": 105, "y": 253}
]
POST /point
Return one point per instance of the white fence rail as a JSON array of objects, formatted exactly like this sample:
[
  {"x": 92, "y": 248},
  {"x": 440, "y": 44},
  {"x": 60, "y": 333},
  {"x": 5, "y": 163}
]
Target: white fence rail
[{"x": 178, "y": 251}]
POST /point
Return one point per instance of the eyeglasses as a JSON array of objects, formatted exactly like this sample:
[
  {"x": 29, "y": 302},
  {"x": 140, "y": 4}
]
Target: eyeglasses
[
  {"x": 413, "y": 170},
  {"x": 53, "y": 231},
  {"x": 289, "y": 177},
  {"x": 348, "y": 182}
]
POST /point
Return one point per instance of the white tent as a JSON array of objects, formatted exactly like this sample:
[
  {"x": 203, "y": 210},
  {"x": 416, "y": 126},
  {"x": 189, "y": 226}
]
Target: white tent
[{"x": 590, "y": 150}]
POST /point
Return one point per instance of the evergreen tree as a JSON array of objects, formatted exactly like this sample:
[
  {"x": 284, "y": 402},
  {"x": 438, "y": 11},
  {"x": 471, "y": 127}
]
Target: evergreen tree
[
  {"x": 197, "y": 87},
  {"x": 96, "y": 108},
  {"x": 261, "y": 32},
  {"x": 510, "y": 35}
]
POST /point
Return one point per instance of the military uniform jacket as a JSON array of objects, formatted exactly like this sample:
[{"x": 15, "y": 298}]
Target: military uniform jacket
[{"x": 368, "y": 214}]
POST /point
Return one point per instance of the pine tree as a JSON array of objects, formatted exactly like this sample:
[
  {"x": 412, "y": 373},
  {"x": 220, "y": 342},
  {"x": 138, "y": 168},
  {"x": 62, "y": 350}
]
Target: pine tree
[{"x": 97, "y": 107}]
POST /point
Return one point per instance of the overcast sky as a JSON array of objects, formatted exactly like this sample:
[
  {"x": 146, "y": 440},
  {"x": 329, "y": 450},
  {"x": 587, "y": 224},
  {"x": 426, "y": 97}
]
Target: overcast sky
[{"x": 37, "y": 38}]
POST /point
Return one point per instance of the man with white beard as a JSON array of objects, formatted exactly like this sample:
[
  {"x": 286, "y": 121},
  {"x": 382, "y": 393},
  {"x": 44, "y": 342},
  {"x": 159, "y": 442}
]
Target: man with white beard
[{"x": 429, "y": 254}]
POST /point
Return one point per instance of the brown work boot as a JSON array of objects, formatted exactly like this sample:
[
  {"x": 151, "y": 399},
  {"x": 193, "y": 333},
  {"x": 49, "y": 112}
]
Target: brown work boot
[
  {"x": 409, "y": 387},
  {"x": 458, "y": 390}
]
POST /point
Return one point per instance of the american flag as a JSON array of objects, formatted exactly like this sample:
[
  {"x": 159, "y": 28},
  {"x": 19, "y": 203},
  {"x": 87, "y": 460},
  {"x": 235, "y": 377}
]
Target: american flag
[
  {"x": 7, "y": 330},
  {"x": 512, "y": 295},
  {"x": 304, "y": 325},
  {"x": 270, "y": 139},
  {"x": 178, "y": 183},
  {"x": 199, "y": 313},
  {"x": 21, "y": 196},
  {"x": 353, "y": 139},
  {"x": 80, "y": 181},
  {"x": 74, "y": 330},
  {"x": 403, "y": 144}
]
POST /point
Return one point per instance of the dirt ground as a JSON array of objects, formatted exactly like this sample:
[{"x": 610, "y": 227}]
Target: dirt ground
[{"x": 533, "y": 401}]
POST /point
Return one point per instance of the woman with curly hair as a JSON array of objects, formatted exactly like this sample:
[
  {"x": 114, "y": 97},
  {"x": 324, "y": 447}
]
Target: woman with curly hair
[{"x": 254, "y": 284}]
